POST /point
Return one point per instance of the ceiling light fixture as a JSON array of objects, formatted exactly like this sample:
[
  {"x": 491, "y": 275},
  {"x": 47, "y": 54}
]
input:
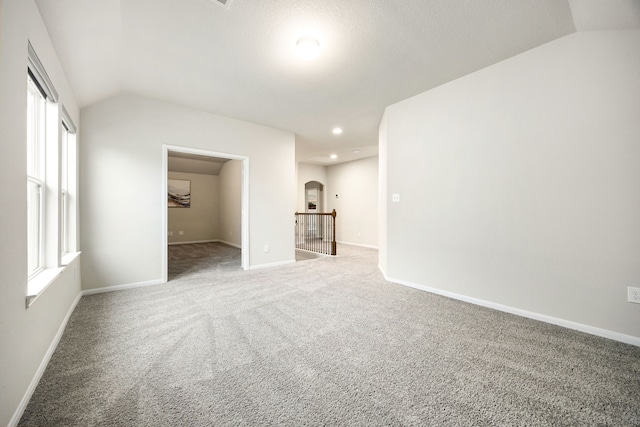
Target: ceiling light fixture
[
  {"x": 337, "y": 131},
  {"x": 308, "y": 48},
  {"x": 334, "y": 156}
]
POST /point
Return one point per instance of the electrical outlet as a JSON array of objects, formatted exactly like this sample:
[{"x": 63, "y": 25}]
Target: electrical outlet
[
  {"x": 634, "y": 294},
  {"x": 170, "y": 233},
  {"x": 180, "y": 233},
  {"x": 266, "y": 248}
]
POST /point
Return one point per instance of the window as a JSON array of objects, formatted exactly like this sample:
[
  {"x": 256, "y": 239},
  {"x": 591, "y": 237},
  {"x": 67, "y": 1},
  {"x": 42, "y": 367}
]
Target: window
[
  {"x": 36, "y": 101},
  {"x": 51, "y": 182},
  {"x": 64, "y": 191},
  {"x": 67, "y": 186}
]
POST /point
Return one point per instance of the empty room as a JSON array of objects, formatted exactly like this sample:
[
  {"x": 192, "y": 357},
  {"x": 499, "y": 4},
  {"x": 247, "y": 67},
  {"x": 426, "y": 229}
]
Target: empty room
[{"x": 319, "y": 212}]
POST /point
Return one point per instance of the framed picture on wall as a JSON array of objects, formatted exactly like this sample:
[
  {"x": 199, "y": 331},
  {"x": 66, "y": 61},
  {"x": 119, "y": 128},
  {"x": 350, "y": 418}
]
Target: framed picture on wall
[
  {"x": 179, "y": 193},
  {"x": 312, "y": 199}
]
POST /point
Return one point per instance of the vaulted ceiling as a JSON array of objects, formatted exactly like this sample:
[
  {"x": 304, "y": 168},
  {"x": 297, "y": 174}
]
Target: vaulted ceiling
[{"x": 240, "y": 61}]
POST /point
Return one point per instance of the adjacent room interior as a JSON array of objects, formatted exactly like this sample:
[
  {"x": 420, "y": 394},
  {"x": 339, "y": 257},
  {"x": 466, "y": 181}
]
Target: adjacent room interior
[{"x": 204, "y": 213}]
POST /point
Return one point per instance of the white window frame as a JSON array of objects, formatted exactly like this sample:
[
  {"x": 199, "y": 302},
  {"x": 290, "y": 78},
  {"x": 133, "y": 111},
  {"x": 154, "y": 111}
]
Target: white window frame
[
  {"x": 64, "y": 192},
  {"x": 45, "y": 175},
  {"x": 36, "y": 174},
  {"x": 68, "y": 188}
]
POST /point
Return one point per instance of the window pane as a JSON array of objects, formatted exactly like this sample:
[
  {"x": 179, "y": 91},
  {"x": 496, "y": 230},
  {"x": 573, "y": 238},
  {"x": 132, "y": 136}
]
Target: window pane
[
  {"x": 64, "y": 159},
  {"x": 63, "y": 224},
  {"x": 35, "y": 131},
  {"x": 35, "y": 172},
  {"x": 34, "y": 203},
  {"x": 32, "y": 146}
]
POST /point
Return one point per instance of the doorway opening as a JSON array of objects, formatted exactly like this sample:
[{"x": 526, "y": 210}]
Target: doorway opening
[
  {"x": 314, "y": 197},
  {"x": 181, "y": 165}
]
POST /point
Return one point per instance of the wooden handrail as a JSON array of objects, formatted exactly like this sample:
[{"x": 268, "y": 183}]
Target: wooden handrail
[{"x": 333, "y": 214}]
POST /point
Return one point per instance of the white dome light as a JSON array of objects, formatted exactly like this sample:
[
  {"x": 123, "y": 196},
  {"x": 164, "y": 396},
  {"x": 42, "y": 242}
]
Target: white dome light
[
  {"x": 337, "y": 131},
  {"x": 308, "y": 48},
  {"x": 334, "y": 156}
]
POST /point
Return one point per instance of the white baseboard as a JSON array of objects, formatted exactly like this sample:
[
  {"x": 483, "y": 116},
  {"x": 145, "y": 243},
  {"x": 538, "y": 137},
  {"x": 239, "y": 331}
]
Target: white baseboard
[
  {"x": 122, "y": 287},
  {"x": 15, "y": 419},
  {"x": 206, "y": 241},
  {"x": 192, "y": 242},
  {"x": 616, "y": 336},
  {"x": 273, "y": 264},
  {"x": 358, "y": 244},
  {"x": 229, "y": 244},
  {"x": 320, "y": 255}
]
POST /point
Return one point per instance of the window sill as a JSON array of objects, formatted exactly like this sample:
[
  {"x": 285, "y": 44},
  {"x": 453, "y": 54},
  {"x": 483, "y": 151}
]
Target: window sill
[
  {"x": 40, "y": 282},
  {"x": 68, "y": 258}
]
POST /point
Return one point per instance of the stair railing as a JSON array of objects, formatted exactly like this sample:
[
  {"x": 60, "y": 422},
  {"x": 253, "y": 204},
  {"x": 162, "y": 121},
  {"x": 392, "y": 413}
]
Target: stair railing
[{"x": 316, "y": 232}]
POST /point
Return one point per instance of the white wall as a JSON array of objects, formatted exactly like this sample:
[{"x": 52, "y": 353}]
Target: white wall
[
  {"x": 122, "y": 196},
  {"x": 356, "y": 184},
  {"x": 200, "y": 221},
  {"x": 230, "y": 205},
  {"x": 520, "y": 183},
  {"x": 25, "y": 334}
]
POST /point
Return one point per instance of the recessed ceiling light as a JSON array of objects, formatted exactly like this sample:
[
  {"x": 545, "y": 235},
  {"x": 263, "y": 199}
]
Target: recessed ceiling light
[
  {"x": 308, "y": 48},
  {"x": 356, "y": 151},
  {"x": 334, "y": 156},
  {"x": 337, "y": 131}
]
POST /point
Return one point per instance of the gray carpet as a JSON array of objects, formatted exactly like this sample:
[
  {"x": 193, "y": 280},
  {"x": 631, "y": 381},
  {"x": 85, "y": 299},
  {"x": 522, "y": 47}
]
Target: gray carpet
[
  {"x": 201, "y": 257},
  {"x": 323, "y": 342}
]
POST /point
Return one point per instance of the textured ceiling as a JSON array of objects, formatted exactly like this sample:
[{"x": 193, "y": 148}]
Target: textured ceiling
[{"x": 240, "y": 62}]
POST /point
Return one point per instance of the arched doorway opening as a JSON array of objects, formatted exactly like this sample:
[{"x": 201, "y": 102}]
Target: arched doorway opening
[{"x": 314, "y": 197}]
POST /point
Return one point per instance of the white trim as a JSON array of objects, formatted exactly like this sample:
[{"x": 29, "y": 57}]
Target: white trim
[
  {"x": 66, "y": 119},
  {"x": 43, "y": 365},
  {"x": 230, "y": 244},
  {"x": 122, "y": 287},
  {"x": 244, "y": 209},
  {"x": 40, "y": 74},
  {"x": 224, "y": 242},
  {"x": 616, "y": 336},
  {"x": 357, "y": 244},
  {"x": 273, "y": 264},
  {"x": 315, "y": 253},
  {"x": 315, "y": 258},
  {"x": 37, "y": 284},
  {"x": 69, "y": 257},
  {"x": 194, "y": 242},
  {"x": 165, "y": 214}
]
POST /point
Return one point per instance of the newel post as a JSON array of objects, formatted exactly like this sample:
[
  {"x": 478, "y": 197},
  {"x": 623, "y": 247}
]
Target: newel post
[{"x": 333, "y": 242}]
